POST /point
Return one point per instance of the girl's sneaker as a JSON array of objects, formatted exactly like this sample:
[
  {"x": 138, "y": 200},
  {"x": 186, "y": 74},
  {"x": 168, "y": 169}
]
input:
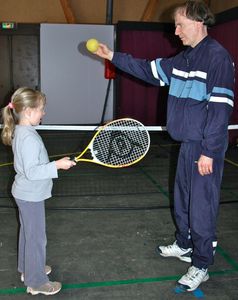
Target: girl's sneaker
[{"x": 49, "y": 288}]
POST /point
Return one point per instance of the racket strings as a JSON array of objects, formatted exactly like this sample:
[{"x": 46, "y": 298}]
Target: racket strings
[{"x": 121, "y": 143}]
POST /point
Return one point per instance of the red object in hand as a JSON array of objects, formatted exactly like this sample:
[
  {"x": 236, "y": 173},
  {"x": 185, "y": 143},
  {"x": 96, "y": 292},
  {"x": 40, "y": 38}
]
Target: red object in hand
[{"x": 110, "y": 71}]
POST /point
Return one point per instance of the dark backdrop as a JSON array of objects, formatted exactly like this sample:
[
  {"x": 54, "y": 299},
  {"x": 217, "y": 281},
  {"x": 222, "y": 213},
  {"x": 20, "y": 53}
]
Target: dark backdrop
[{"x": 147, "y": 103}]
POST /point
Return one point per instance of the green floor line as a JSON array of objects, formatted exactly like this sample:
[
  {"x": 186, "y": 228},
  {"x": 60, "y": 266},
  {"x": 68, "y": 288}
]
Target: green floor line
[
  {"x": 17, "y": 290},
  {"x": 227, "y": 258},
  {"x": 139, "y": 280},
  {"x": 120, "y": 282},
  {"x": 165, "y": 193}
]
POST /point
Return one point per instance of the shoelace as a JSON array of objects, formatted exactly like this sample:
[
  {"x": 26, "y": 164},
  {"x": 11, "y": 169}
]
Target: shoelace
[
  {"x": 170, "y": 247},
  {"x": 195, "y": 274},
  {"x": 177, "y": 247}
]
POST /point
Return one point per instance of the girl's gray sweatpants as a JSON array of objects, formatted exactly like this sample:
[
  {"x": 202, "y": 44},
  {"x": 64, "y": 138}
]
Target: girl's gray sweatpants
[{"x": 32, "y": 242}]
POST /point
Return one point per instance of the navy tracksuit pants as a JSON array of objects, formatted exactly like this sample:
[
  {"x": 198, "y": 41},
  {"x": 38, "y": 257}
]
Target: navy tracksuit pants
[{"x": 196, "y": 202}]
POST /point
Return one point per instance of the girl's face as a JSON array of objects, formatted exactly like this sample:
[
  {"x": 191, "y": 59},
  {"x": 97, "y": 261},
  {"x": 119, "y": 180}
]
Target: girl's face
[
  {"x": 32, "y": 116},
  {"x": 36, "y": 114}
]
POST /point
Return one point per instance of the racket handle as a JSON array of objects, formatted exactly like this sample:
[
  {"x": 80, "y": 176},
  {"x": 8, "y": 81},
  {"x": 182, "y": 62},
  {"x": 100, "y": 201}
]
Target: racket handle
[{"x": 73, "y": 158}]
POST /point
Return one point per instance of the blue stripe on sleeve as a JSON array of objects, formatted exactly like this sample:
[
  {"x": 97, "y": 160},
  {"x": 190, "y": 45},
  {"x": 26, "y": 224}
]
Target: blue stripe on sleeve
[
  {"x": 225, "y": 91},
  {"x": 161, "y": 72}
]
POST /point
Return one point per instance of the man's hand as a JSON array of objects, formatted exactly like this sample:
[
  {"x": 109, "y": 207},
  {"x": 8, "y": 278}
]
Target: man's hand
[
  {"x": 104, "y": 52},
  {"x": 205, "y": 165}
]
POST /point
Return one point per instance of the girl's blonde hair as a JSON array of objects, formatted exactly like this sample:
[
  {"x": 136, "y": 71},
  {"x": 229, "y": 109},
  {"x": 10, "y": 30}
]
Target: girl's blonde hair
[{"x": 23, "y": 98}]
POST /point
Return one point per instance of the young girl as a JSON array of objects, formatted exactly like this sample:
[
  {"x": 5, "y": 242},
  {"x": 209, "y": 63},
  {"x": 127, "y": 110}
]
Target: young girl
[{"x": 32, "y": 185}]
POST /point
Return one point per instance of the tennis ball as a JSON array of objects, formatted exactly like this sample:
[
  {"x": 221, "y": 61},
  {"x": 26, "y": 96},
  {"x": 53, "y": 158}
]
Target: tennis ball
[{"x": 92, "y": 45}]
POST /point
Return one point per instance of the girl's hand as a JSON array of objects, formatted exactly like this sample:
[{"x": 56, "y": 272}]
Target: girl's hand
[{"x": 65, "y": 163}]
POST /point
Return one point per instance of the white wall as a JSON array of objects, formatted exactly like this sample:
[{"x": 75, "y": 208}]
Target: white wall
[{"x": 71, "y": 77}]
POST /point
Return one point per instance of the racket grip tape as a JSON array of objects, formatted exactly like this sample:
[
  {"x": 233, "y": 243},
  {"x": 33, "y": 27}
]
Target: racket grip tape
[{"x": 73, "y": 158}]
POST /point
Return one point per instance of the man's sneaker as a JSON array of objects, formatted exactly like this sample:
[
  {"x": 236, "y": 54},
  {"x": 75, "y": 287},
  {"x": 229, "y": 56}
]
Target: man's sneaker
[
  {"x": 175, "y": 251},
  {"x": 47, "y": 272},
  {"x": 49, "y": 288},
  {"x": 193, "y": 278}
]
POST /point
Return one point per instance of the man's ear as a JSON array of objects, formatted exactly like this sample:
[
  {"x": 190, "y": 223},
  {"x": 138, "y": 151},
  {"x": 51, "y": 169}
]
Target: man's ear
[{"x": 200, "y": 25}]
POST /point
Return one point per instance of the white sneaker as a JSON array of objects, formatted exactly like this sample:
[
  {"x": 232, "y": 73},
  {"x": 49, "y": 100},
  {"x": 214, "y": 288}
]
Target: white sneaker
[
  {"x": 175, "y": 251},
  {"x": 47, "y": 272},
  {"x": 193, "y": 278}
]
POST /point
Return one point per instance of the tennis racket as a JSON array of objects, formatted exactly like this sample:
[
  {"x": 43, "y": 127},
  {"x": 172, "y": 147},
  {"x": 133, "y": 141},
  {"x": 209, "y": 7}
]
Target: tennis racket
[{"x": 117, "y": 144}]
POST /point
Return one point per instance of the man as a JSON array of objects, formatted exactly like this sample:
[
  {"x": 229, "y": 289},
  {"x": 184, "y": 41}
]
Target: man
[{"x": 200, "y": 102}]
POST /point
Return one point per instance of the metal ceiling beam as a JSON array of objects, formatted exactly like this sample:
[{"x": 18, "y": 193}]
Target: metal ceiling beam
[
  {"x": 149, "y": 11},
  {"x": 109, "y": 13},
  {"x": 68, "y": 12}
]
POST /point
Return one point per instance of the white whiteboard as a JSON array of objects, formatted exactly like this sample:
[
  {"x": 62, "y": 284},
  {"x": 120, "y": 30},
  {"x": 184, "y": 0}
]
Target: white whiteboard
[{"x": 72, "y": 78}]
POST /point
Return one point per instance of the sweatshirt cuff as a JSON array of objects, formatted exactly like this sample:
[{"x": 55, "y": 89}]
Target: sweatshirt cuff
[
  {"x": 114, "y": 57},
  {"x": 54, "y": 170},
  {"x": 208, "y": 153}
]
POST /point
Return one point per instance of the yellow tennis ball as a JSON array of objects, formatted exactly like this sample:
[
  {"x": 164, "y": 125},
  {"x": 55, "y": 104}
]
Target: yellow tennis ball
[{"x": 92, "y": 45}]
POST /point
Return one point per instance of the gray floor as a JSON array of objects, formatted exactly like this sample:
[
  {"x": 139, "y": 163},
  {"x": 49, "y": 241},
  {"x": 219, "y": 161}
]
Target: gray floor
[{"x": 104, "y": 224}]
